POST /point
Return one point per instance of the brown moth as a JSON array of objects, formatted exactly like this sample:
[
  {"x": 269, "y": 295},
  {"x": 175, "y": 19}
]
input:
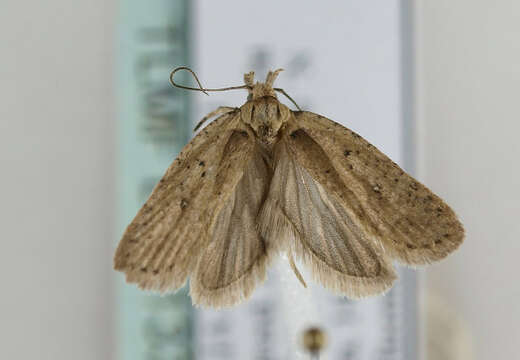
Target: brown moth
[{"x": 261, "y": 180}]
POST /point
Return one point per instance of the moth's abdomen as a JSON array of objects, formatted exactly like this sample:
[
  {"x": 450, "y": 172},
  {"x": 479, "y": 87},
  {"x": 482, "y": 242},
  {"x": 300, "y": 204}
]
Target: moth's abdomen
[{"x": 265, "y": 115}]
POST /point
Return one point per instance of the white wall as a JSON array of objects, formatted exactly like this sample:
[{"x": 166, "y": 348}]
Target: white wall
[
  {"x": 56, "y": 187},
  {"x": 469, "y": 109}
]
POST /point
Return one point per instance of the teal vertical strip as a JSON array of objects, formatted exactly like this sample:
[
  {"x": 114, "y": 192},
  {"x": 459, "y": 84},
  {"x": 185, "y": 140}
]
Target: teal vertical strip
[{"x": 153, "y": 126}]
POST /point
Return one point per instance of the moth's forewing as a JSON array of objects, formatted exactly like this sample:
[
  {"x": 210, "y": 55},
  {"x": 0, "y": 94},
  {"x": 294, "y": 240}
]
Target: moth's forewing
[
  {"x": 414, "y": 225},
  {"x": 161, "y": 245}
]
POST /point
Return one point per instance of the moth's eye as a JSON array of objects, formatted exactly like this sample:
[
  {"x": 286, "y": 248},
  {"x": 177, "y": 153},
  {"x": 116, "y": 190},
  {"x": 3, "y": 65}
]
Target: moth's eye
[{"x": 296, "y": 133}]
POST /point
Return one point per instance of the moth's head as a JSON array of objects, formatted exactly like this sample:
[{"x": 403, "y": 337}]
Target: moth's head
[{"x": 262, "y": 111}]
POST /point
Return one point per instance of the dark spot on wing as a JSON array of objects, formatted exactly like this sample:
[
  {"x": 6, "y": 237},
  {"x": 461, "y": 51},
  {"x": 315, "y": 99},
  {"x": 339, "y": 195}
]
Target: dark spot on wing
[
  {"x": 355, "y": 135},
  {"x": 184, "y": 203}
]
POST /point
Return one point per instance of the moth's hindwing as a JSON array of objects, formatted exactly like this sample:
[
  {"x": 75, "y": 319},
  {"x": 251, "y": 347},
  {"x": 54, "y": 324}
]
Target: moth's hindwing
[
  {"x": 234, "y": 262},
  {"x": 320, "y": 231}
]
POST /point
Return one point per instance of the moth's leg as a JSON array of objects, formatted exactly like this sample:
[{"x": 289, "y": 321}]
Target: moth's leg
[
  {"x": 220, "y": 110},
  {"x": 295, "y": 269},
  {"x": 288, "y": 97}
]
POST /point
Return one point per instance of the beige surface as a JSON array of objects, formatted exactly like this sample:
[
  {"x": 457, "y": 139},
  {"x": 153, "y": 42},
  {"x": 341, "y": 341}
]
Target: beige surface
[{"x": 469, "y": 82}]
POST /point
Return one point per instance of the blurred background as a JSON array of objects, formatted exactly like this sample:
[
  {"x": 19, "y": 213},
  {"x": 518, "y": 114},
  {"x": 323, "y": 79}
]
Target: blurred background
[{"x": 89, "y": 122}]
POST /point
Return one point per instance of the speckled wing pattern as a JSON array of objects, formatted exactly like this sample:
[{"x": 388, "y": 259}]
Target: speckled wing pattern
[
  {"x": 161, "y": 246},
  {"x": 380, "y": 201}
]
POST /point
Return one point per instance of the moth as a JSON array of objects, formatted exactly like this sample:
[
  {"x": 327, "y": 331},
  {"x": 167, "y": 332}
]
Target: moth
[{"x": 263, "y": 180}]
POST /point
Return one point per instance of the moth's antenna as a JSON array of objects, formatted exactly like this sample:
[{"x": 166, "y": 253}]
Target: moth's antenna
[
  {"x": 288, "y": 97},
  {"x": 200, "y": 88}
]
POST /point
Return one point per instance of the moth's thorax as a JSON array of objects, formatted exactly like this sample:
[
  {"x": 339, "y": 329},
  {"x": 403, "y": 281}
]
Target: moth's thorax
[{"x": 265, "y": 115}]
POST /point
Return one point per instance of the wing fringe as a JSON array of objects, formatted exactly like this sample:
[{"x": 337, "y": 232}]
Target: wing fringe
[{"x": 236, "y": 292}]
